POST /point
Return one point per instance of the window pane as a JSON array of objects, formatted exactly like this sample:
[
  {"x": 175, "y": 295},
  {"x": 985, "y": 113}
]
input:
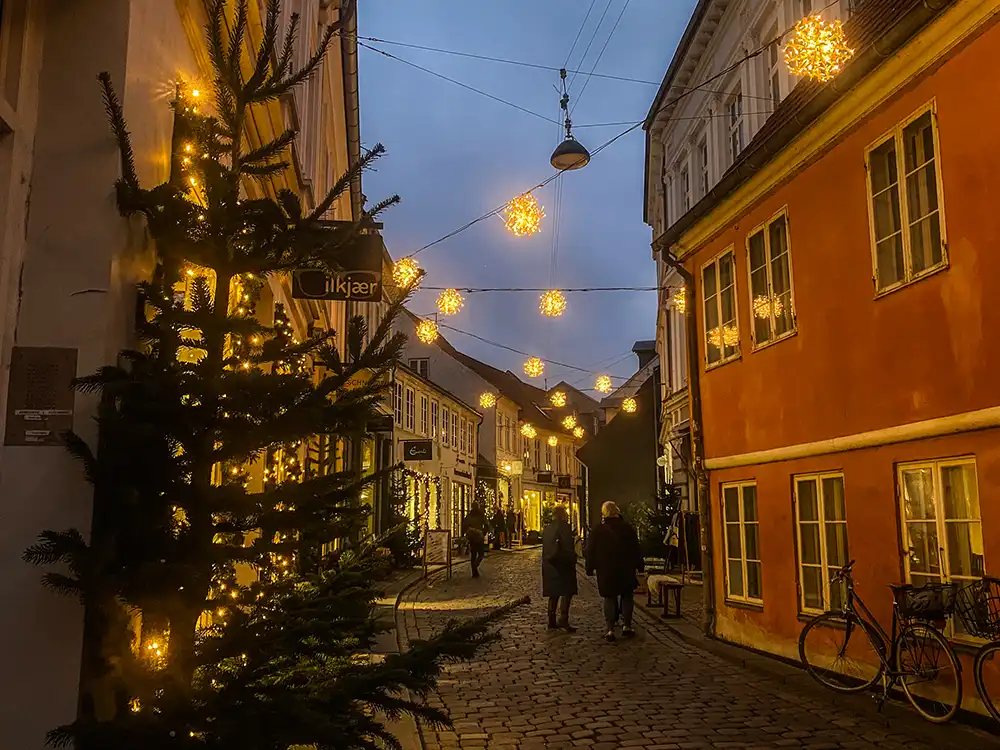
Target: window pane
[
  {"x": 960, "y": 492},
  {"x": 708, "y": 280},
  {"x": 882, "y": 163},
  {"x": 918, "y": 494},
  {"x": 734, "y": 545},
  {"x": 833, "y": 499},
  {"x": 838, "y": 595},
  {"x": 808, "y": 505},
  {"x": 751, "y": 537},
  {"x": 965, "y": 548},
  {"x": 735, "y": 578},
  {"x": 810, "y": 552},
  {"x": 731, "y": 497},
  {"x": 925, "y": 243},
  {"x": 753, "y": 580},
  {"x": 923, "y": 550},
  {"x": 836, "y": 545},
  {"x": 749, "y": 503},
  {"x": 889, "y": 261},
  {"x": 918, "y": 142},
  {"x": 888, "y": 219},
  {"x": 758, "y": 256},
  {"x": 812, "y": 587}
]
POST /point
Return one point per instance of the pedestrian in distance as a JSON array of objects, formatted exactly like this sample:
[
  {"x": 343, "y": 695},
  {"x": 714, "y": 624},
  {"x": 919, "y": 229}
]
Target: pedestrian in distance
[
  {"x": 559, "y": 569},
  {"x": 474, "y": 528},
  {"x": 499, "y": 529},
  {"x": 614, "y": 554}
]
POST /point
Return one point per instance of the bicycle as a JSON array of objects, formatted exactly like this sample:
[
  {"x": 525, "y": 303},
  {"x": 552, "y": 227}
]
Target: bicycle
[
  {"x": 978, "y": 606},
  {"x": 916, "y": 655}
]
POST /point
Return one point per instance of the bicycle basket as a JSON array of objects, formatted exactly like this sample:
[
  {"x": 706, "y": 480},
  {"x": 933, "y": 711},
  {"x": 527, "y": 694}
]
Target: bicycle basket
[
  {"x": 933, "y": 601},
  {"x": 978, "y": 606}
]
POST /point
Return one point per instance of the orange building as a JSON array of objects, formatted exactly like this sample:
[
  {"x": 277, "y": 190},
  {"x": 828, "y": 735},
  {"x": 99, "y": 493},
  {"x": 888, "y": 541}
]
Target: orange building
[{"x": 848, "y": 341}]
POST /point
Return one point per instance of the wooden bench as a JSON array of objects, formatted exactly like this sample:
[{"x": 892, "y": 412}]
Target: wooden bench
[{"x": 663, "y": 586}]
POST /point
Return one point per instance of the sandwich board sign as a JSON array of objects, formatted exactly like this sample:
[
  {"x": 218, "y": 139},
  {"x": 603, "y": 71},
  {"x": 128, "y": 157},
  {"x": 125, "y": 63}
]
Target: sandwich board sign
[{"x": 437, "y": 549}]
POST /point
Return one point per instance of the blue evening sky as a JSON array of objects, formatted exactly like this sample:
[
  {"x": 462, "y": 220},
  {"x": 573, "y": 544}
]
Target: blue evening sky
[{"x": 453, "y": 155}]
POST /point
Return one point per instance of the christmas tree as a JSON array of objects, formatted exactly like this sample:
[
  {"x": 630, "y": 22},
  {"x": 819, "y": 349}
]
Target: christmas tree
[{"x": 227, "y": 599}]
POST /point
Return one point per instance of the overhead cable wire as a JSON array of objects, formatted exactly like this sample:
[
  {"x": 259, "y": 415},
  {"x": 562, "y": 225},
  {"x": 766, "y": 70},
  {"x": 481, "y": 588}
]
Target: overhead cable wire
[
  {"x": 579, "y": 32},
  {"x": 672, "y": 119},
  {"x": 593, "y": 36},
  {"x": 599, "y": 56}
]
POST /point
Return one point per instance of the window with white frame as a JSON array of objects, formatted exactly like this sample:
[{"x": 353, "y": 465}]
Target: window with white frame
[
  {"x": 419, "y": 366},
  {"x": 771, "y": 305},
  {"x": 397, "y": 403},
  {"x": 736, "y": 123},
  {"x": 463, "y": 440},
  {"x": 454, "y": 430},
  {"x": 703, "y": 167},
  {"x": 905, "y": 203},
  {"x": 434, "y": 419},
  {"x": 667, "y": 205},
  {"x": 742, "y": 539},
  {"x": 941, "y": 525},
  {"x": 423, "y": 414},
  {"x": 472, "y": 438},
  {"x": 685, "y": 180},
  {"x": 548, "y": 457},
  {"x": 410, "y": 409},
  {"x": 506, "y": 433},
  {"x": 538, "y": 454},
  {"x": 722, "y": 334},
  {"x": 445, "y": 429},
  {"x": 499, "y": 431},
  {"x": 773, "y": 61},
  {"x": 821, "y": 522}
]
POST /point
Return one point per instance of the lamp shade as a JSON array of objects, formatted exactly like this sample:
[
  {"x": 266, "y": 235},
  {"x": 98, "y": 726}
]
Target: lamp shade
[{"x": 570, "y": 154}]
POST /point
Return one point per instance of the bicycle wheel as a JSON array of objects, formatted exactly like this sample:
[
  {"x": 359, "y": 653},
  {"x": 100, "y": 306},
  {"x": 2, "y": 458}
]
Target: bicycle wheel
[
  {"x": 842, "y": 652},
  {"x": 929, "y": 672},
  {"x": 987, "y": 674}
]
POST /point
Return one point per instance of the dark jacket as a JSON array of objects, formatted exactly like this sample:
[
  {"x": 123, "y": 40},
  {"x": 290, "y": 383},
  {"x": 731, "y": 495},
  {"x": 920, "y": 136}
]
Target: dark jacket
[
  {"x": 558, "y": 560},
  {"x": 474, "y": 526},
  {"x": 613, "y": 551}
]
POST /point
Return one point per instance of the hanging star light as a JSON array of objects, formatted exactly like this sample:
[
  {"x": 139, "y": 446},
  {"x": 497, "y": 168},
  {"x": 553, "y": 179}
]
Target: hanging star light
[
  {"x": 680, "y": 300},
  {"x": 523, "y": 216},
  {"x": 578, "y": 432},
  {"x": 764, "y": 307},
  {"x": 405, "y": 271},
  {"x": 552, "y": 304},
  {"x": 629, "y": 406},
  {"x": 534, "y": 367},
  {"x": 603, "y": 384},
  {"x": 488, "y": 400},
  {"x": 558, "y": 399},
  {"x": 818, "y": 50},
  {"x": 449, "y": 302},
  {"x": 553, "y": 441},
  {"x": 427, "y": 331},
  {"x": 529, "y": 431},
  {"x": 569, "y": 422}
]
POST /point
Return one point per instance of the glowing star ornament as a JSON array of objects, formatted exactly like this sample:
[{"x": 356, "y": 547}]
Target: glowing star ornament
[
  {"x": 552, "y": 304},
  {"x": 569, "y": 422},
  {"x": 578, "y": 432},
  {"x": 405, "y": 271},
  {"x": 629, "y": 406},
  {"x": 553, "y": 441},
  {"x": 818, "y": 49},
  {"x": 764, "y": 307},
  {"x": 427, "y": 331},
  {"x": 488, "y": 400},
  {"x": 728, "y": 336},
  {"x": 602, "y": 384},
  {"x": 534, "y": 367},
  {"x": 529, "y": 431},
  {"x": 449, "y": 302},
  {"x": 523, "y": 216},
  {"x": 680, "y": 300},
  {"x": 558, "y": 399}
]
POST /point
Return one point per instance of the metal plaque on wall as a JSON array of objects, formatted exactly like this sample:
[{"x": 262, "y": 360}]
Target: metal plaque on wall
[{"x": 40, "y": 395}]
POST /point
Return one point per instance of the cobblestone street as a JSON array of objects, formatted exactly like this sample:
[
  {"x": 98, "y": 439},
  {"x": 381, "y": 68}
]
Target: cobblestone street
[{"x": 536, "y": 689}]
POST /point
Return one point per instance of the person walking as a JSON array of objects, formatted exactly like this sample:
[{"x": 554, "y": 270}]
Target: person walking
[
  {"x": 474, "y": 528},
  {"x": 499, "y": 529},
  {"x": 614, "y": 554},
  {"x": 559, "y": 569}
]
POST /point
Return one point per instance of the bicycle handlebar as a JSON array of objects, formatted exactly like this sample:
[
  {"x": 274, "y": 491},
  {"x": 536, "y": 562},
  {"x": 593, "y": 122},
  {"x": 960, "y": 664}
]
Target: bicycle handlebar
[{"x": 843, "y": 573}]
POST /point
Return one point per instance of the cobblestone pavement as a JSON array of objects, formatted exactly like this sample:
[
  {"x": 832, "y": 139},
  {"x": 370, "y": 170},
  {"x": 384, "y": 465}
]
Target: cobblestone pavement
[{"x": 534, "y": 689}]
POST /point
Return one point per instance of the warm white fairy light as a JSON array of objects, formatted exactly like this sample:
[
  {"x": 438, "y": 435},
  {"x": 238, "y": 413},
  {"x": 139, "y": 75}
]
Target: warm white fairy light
[
  {"x": 680, "y": 300},
  {"x": 818, "y": 49},
  {"x": 764, "y": 307},
  {"x": 534, "y": 367},
  {"x": 523, "y": 216},
  {"x": 558, "y": 399},
  {"x": 427, "y": 331},
  {"x": 578, "y": 432},
  {"x": 488, "y": 400},
  {"x": 603, "y": 384},
  {"x": 569, "y": 422},
  {"x": 405, "y": 271},
  {"x": 552, "y": 304},
  {"x": 449, "y": 302},
  {"x": 529, "y": 431},
  {"x": 726, "y": 336},
  {"x": 553, "y": 441},
  {"x": 629, "y": 405}
]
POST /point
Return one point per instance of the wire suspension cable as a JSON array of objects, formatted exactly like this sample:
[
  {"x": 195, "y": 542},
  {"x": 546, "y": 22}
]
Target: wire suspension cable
[
  {"x": 579, "y": 32},
  {"x": 591, "y": 42},
  {"x": 599, "y": 56}
]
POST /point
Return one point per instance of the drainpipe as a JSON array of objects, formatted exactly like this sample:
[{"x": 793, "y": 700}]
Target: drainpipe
[{"x": 697, "y": 437}]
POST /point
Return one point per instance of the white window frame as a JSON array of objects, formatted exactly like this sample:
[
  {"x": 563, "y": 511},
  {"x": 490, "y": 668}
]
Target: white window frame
[
  {"x": 684, "y": 172},
  {"x": 416, "y": 363},
  {"x": 896, "y": 134},
  {"x": 703, "y": 166},
  {"x": 434, "y": 420},
  {"x": 472, "y": 437},
  {"x": 397, "y": 403},
  {"x": 736, "y": 123},
  {"x": 744, "y": 598},
  {"x": 445, "y": 425},
  {"x": 772, "y": 63},
  {"x": 718, "y": 301},
  {"x": 410, "y": 410},
  {"x": 424, "y": 407},
  {"x": 454, "y": 429},
  {"x": 463, "y": 435},
  {"x": 822, "y": 522},
  {"x": 765, "y": 228},
  {"x": 940, "y": 522}
]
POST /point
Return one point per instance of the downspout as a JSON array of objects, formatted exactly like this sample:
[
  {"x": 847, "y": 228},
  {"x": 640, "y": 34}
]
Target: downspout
[
  {"x": 697, "y": 438},
  {"x": 352, "y": 105}
]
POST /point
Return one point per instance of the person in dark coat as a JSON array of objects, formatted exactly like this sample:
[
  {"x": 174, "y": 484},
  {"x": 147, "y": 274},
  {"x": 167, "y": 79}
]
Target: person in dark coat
[
  {"x": 474, "y": 529},
  {"x": 511, "y": 527},
  {"x": 499, "y": 529},
  {"x": 614, "y": 553},
  {"x": 559, "y": 569}
]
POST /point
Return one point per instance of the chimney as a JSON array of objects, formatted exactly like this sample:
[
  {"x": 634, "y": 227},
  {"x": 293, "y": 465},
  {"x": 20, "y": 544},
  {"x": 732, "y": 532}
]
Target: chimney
[{"x": 645, "y": 351}]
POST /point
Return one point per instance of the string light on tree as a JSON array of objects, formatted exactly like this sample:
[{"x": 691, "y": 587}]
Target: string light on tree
[
  {"x": 569, "y": 422},
  {"x": 552, "y": 304},
  {"x": 602, "y": 384},
  {"x": 427, "y": 331},
  {"x": 488, "y": 400},
  {"x": 449, "y": 302},
  {"x": 534, "y": 367},
  {"x": 629, "y": 406},
  {"x": 553, "y": 441},
  {"x": 558, "y": 399},
  {"x": 405, "y": 272},
  {"x": 818, "y": 49},
  {"x": 529, "y": 431},
  {"x": 680, "y": 300},
  {"x": 523, "y": 216},
  {"x": 578, "y": 432}
]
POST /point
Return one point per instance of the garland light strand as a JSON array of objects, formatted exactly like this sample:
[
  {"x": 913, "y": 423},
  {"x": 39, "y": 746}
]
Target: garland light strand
[
  {"x": 553, "y": 441},
  {"x": 578, "y": 432},
  {"x": 488, "y": 400},
  {"x": 680, "y": 300},
  {"x": 427, "y": 331},
  {"x": 529, "y": 431},
  {"x": 534, "y": 367},
  {"x": 405, "y": 272},
  {"x": 603, "y": 384},
  {"x": 558, "y": 399},
  {"x": 449, "y": 302},
  {"x": 629, "y": 406},
  {"x": 569, "y": 422},
  {"x": 552, "y": 304},
  {"x": 818, "y": 50},
  {"x": 523, "y": 216}
]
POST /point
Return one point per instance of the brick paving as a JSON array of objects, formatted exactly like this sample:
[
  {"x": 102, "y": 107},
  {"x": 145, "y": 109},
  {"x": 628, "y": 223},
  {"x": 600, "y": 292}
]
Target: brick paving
[{"x": 533, "y": 689}]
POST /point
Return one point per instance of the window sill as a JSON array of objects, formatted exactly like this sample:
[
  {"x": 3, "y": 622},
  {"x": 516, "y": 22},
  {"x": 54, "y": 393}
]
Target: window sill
[
  {"x": 943, "y": 266},
  {"x": 810, "y": 616},
  {"x": 723, "y": 363},
  {"x": 783, "y": 337},
  {"x": 751, "y": 606}
]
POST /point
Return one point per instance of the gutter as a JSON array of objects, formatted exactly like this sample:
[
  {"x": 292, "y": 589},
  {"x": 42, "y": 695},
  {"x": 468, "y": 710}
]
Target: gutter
[
  {"x": 756, "y": 156},
  {"x": 352, "y": 105}
]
